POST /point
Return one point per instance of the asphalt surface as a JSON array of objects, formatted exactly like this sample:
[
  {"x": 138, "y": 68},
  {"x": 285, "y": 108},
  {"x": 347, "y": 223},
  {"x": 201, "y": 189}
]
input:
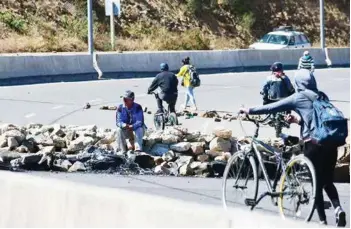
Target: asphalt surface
[{"x": 63, "y": 103}]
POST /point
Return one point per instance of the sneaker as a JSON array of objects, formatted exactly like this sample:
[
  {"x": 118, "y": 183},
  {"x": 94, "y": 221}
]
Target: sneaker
[
  {"x": 340, "y": 218},
  {"x": 324, "y": 222}
]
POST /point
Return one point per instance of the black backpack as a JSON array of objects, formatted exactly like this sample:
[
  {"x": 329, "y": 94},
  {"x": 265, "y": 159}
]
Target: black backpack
[{"x": 194, "y": 77}]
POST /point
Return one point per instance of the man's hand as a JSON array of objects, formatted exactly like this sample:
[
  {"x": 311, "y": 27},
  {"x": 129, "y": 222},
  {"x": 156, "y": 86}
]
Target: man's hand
[
  {"x": 292, "y": 119},
  {"x": 149, "y": 92},
  {"x": 129, "y": 127}
]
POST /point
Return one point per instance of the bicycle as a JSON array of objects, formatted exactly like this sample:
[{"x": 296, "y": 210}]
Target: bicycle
[
  {"x": 289, "y": 185},
  {"x": 165, "y": 117}
]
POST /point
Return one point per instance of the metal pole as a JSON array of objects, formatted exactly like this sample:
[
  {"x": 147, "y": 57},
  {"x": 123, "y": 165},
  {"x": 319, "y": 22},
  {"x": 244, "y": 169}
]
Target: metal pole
[
  {"x": 321, "y": 16},
  {"x": 112, "y": 25},
  {"x": 90, "y": 27}
]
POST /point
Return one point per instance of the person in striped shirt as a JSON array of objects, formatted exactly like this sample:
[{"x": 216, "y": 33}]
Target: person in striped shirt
[{"x": 306, "y": 62}]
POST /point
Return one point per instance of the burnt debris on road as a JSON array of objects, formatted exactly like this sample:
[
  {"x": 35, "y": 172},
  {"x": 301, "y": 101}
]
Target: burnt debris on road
[{"x": 174, "y": 151}]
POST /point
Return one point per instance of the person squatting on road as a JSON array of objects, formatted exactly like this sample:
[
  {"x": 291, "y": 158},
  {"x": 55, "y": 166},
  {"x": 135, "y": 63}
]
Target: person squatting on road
[
  {"x": 130, "y": 123},
  {"x": 185, "y": 74},
  {"x": 306, "y": 62},
  {"x": 168, "y": 84},
  {"x": 324, "y": 156},
  {"x": 277, "y": 85}
]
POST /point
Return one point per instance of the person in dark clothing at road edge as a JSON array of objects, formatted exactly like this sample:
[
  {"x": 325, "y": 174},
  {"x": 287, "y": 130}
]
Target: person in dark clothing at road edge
[
  {"x": 168, "y": 84},
  {"x": 324, "y": 156}
]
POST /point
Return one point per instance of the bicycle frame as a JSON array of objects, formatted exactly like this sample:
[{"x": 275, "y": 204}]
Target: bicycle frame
[{"x": 279, "y": 162}]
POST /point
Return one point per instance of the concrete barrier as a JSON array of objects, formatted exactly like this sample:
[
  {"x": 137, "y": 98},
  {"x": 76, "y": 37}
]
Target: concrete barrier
[
  {"x": 44, "y": 68},
  {"x": 32, "y": 201},
  {"x": 41, "y": 68}
]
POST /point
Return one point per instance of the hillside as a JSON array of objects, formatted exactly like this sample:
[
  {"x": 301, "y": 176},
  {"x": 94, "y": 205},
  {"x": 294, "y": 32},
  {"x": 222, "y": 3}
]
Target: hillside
[{"x": 61, "y": 25}]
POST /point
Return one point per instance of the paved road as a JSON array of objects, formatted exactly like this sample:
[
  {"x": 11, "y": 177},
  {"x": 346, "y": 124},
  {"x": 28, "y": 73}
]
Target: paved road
[{"x": 63, "y": 103}]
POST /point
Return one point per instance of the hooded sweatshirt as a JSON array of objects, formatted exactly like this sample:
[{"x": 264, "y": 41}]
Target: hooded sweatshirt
[{"x": 298, "y": 102}]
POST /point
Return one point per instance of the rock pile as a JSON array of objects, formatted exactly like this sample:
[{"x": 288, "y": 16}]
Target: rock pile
[{"x": 174, "y": 151}]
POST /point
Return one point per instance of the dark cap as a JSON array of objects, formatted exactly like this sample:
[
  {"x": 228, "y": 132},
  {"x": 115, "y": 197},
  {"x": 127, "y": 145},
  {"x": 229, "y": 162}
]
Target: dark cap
[
  {"x": 186, "y": 60},
  {"x": 277, "y": 67},
  {"x": 128, "y": 95}
]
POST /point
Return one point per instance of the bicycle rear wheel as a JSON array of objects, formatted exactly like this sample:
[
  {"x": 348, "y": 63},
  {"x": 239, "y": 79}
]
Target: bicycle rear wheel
[
  {"x": 172, "y": 119},
  {"x": 159, "y": 122},
  {"x": 240, "y": 180},
  {"x": 298, "y": 189}
]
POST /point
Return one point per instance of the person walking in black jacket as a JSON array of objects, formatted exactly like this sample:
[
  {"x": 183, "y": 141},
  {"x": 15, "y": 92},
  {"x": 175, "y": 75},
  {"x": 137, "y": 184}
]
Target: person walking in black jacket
[{"x": 168, "y": 84}]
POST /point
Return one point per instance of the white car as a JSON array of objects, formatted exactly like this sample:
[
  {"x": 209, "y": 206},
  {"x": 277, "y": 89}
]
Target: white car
[{"x": 282, "y": 38}]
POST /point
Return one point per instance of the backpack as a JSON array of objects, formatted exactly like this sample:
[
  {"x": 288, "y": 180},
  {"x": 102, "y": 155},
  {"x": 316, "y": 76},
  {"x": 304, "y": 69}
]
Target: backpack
[
  {"x": 194, "y": 76},
  {"x": 328, "y": 123}
]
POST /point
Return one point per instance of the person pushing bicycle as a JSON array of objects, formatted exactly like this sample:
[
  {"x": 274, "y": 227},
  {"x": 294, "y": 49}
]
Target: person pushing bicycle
[
  {"x": 168, "y": 84},
  {"x": 322, "y": 155}
]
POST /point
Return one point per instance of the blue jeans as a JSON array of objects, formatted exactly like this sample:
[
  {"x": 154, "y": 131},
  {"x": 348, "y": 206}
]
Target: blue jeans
[
  {"x": 189, "y": 95},
  {"x": 123, "y": 135}
]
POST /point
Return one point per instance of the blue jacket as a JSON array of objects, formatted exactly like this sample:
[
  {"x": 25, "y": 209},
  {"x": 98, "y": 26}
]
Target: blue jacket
[
  {"x": 276, "y": 89},
  {"x": 134, "y": 116}
]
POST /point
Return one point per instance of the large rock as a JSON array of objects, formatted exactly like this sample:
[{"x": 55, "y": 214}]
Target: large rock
[
  {"x": 43, "y": 139},
  {"x": 213, "y": 154},
  {"x": 77, "y": 166},
  {"x": 58, "y": 131},
  {"x": 169, "y": 156},
  {"x": 181, "y": 147},
  {"x": 3, "y": 141},
  {"x": 59, "y": 142},
  {"x": 203, "y": 157},
  {"x": 199, "y": 168},
  {"x": 223, "y": 133},
  {"x": 185, "y": 170},
  {"x": 179, "y": 132},
  {"x": 220, "y": 145},
  {"x": 18, "y": 135},
  {"x": 197, "y": 148},
  {"x": 80, "y": 143},
  {"x": 7, "y": 127},
  {"x": 183, "y": 160},
  {"x": 107, "y": 138},
  {"x": 170, "y": 139},
  {"x": 12, "y": 143}
]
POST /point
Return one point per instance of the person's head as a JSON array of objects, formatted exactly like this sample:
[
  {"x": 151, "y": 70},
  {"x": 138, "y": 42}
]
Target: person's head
[
  {"x": 277, "y": 69},
  {"x": 304, "y": 80},
  {"x": 186, "y": 60},
  {"x": 128, "y": 98},
  {"x": 306, "y": 53},
  {"x": 164, "y": 67}
]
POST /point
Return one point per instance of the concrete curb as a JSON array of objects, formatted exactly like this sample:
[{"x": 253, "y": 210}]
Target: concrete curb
[{"x": 31, "y": 201}]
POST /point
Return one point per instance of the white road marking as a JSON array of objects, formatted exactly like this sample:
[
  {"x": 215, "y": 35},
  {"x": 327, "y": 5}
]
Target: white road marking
[
  {"x": 30, "y": 115},
  {"x": 95, "y": 100},
  {"x": 57, "y": 107}
]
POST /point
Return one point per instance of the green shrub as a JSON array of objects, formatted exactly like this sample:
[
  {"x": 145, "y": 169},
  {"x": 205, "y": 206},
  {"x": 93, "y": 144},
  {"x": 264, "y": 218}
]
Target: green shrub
[{"x": 13, "y": 21}]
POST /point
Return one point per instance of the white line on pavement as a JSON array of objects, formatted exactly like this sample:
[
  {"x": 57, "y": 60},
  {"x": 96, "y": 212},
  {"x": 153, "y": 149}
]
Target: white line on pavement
[
  {"x": 30, "y": 115},
  {"x": 95, "y": 100},
  {"x": 57, "y": 107}
]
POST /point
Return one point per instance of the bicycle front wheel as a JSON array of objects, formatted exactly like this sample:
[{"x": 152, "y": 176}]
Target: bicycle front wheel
[
  {"x": 159, "y": 122},
  {"x": 298, "y": 189},
  {"x": 240, "y": 180}
]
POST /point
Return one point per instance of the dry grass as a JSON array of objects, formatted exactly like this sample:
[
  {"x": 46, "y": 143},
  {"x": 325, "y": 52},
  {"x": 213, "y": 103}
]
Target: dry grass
[{"x": 60, "y": 25}]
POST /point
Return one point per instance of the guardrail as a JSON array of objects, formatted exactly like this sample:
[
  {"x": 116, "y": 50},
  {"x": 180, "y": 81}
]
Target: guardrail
[
  {"x": 33, "y": 201},
  {"x": 44, "y": 68}
]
